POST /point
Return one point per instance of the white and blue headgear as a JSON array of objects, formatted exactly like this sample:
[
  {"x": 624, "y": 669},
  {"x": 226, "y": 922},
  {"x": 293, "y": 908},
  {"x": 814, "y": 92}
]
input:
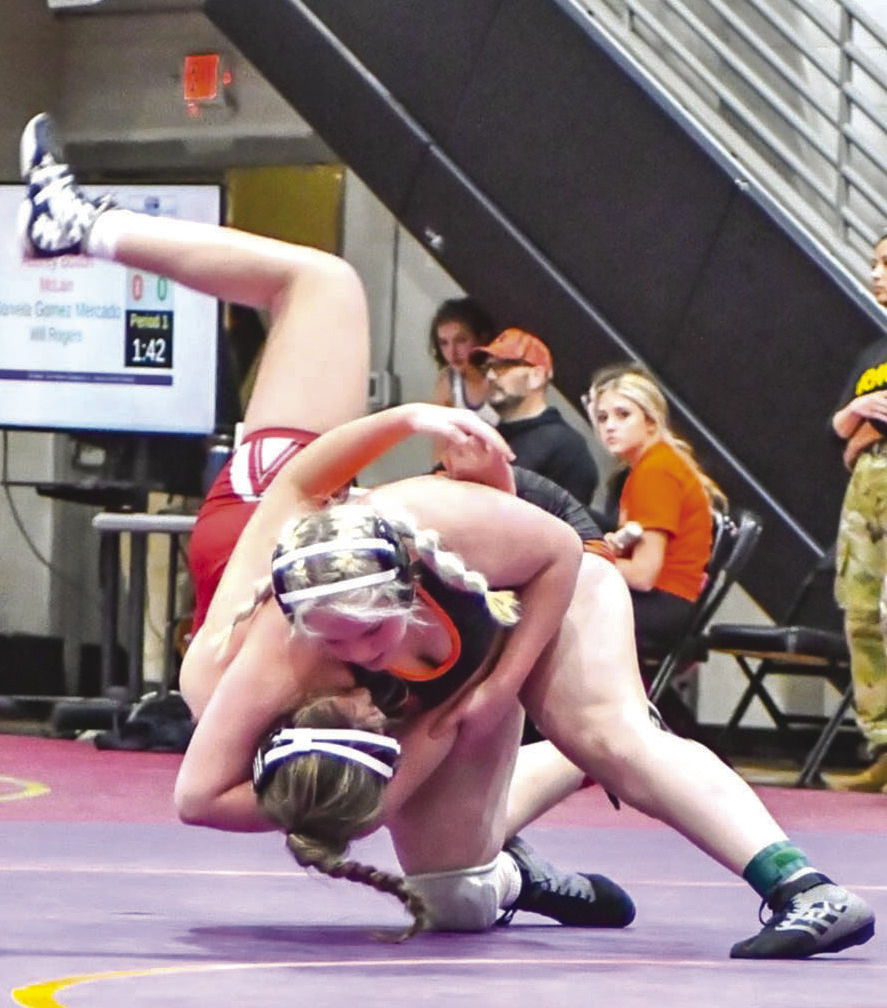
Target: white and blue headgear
[
  {"x": 378, "y": 753},
  {"x": 380, "y": 540}
]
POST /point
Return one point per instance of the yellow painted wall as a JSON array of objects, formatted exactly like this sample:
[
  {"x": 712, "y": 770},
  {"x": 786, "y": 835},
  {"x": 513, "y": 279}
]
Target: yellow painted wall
[{"x": 300, "y": 204}]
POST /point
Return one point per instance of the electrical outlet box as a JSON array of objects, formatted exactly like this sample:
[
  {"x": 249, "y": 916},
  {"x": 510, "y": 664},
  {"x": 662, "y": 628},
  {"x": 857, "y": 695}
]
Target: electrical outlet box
[{"x": 384, "y": 390}]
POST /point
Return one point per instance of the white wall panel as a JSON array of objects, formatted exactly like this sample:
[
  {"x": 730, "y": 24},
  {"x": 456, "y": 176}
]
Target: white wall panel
[{"x": 121, "y": 84}]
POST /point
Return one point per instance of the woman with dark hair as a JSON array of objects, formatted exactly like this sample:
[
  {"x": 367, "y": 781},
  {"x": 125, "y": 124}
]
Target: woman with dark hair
[
  {"x": 459, "y": 326},
  {"x": 408, "y": 632}
]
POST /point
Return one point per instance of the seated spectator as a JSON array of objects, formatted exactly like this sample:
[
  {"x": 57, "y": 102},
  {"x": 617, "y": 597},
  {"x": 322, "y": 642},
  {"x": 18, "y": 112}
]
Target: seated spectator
[
  {"x": 518, "y": 368},
  {"x": 459, "y": 326},
  {"x": 665, "y": 493}
]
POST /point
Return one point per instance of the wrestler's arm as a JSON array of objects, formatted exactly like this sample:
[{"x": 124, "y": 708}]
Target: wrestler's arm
[
  {"x": 486, "y": 527},
  {"x": 256, "y": 689},
  {"x": 318, "y": 471},
  {"x": 337, "y": 456},
  {"x": 476, "y": 462}
]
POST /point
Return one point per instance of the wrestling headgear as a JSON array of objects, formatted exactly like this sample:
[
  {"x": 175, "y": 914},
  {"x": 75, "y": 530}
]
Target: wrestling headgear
[
  {"x": 378, "y": 753},
  {"x": 293, "y": 570}
]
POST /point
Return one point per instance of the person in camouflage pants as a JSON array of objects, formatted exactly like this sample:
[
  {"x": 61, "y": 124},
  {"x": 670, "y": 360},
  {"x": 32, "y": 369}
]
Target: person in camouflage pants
[
  {"x": 861, "y": 589},
  {"x": 861, "y": 558}
]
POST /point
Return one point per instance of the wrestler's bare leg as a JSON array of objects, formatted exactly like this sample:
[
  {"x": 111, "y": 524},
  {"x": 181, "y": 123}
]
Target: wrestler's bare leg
[
  {"x": 467, "y": 769},
  {"x": 588, "y": 699},
  {"x": 315, "y": 367},
  {"x": 543, "y": 776},
  {"x": 455, "y": 860}
]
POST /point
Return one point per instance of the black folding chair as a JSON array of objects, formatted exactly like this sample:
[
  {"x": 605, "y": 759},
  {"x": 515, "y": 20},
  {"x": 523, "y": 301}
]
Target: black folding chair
[
  {"x": 733, "y": 543},
  {"x": 793, "y": 648}
]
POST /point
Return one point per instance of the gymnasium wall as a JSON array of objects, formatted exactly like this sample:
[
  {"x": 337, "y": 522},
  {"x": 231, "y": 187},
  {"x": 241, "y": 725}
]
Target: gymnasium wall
[{"x": 544, "y": 172}]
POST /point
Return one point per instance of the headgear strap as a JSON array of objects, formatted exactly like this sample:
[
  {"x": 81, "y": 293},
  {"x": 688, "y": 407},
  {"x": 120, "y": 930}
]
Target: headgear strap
[
  {"x": 344, "y": 545},
  {"x": 346, "y": 743},
  {"x": 333, "y": 587}
]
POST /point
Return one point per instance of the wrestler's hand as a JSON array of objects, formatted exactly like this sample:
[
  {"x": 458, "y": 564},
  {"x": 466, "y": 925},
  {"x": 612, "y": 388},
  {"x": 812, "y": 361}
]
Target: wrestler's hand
[
  {"x": 475, "y": 462},
  {"x": 457, "y": 427},
  {"x": 476, "y": 710}
]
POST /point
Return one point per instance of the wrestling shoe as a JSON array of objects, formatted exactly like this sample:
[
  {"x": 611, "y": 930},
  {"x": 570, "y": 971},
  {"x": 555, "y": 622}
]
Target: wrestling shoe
[
  {"x": 56, "y": 214},
  {"x": 571, "y": 898},
  {"x": 810, "y": 915}
]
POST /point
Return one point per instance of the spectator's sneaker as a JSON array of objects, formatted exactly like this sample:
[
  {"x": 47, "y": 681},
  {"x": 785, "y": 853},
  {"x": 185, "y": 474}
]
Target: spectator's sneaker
[
  {"x": 572, "y": 898},
  {"x": 872, "y": 780},
  {"x": 56, "y": 214},
  {"x": 810, "y": 915}
]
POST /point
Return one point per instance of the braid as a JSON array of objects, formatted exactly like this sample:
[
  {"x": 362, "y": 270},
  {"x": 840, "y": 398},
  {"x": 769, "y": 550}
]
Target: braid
[
  {"x": 450, "y": 568},
  {"x": 321, "y": 802},
  {"x": 261, "y": 592},
  {"x": 310, "y": 854}
]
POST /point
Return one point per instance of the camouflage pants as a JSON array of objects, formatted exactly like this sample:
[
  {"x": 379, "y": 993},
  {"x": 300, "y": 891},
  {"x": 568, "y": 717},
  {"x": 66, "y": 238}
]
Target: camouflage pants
[{"x": 861, "y": 589}]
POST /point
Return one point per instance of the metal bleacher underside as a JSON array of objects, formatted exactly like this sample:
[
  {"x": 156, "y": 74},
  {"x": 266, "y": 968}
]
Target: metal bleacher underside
[{"x": 551, "y": 179}]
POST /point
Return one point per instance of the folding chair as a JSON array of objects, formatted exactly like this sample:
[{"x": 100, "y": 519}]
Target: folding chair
[
  {"x": 793, "y": 649},
  {"x": 733, "y": 543}
]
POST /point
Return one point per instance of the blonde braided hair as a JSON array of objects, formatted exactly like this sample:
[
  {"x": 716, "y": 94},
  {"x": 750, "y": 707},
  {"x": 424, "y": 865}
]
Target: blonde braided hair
[
  {"x": 502, "y": 604},
  {"x": 367, "y": 603},
  {"x": 354, "y": 520},
  {"x": 322, "y": 802},
  {"x": 262, "y": 591},
  {"x": 310, "y": 854}
]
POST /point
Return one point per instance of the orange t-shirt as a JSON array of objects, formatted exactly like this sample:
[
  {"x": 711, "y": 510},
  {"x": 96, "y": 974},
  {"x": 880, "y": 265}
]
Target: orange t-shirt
[{"x": 663, "y": 492}]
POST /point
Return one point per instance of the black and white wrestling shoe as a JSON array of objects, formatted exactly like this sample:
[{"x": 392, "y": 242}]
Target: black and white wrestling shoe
[
  {"x": 56, "y": 214},
  {"x": 572, "y": 898}
]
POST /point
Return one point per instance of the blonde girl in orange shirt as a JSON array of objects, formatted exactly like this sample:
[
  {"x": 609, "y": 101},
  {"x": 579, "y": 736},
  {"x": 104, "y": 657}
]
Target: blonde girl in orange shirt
[{"x": 666, "y": 496}]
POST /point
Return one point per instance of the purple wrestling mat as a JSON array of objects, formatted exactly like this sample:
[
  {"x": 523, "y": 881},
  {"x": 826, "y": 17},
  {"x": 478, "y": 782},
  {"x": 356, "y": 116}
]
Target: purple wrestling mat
[{"x": 108, "y": 901}]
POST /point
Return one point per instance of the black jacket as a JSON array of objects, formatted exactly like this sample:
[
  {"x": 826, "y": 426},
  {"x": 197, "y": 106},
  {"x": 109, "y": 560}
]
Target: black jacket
[{"x": 548, "y": 445}]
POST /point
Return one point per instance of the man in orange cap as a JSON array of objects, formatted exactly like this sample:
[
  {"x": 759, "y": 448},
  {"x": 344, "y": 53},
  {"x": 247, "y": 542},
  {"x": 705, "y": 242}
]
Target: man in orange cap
[{"x": 518, "y": 368}]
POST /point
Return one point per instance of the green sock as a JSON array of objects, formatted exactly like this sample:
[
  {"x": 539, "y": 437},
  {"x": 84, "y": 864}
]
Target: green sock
[{"x": 774, "y": 864}]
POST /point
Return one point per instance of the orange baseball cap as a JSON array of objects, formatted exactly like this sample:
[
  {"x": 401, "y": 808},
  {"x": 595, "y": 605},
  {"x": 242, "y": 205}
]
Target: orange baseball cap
[{"x": 515, "y": 345}]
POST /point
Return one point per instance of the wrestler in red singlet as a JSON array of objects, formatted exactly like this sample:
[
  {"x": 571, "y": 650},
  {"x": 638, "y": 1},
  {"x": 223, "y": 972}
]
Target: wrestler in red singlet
[{"x": 231, "y": 501}]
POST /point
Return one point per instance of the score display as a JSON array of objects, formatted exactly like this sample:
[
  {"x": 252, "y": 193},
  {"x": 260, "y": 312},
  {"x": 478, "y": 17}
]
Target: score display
[
  {"x": 91, "y": 345},
  {"x": 149, "y": 322}
]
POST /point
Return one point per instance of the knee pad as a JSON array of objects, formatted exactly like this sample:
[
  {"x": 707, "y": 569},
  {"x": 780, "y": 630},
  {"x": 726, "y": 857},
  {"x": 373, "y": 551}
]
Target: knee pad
[{"x": 463, "y": 900}]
